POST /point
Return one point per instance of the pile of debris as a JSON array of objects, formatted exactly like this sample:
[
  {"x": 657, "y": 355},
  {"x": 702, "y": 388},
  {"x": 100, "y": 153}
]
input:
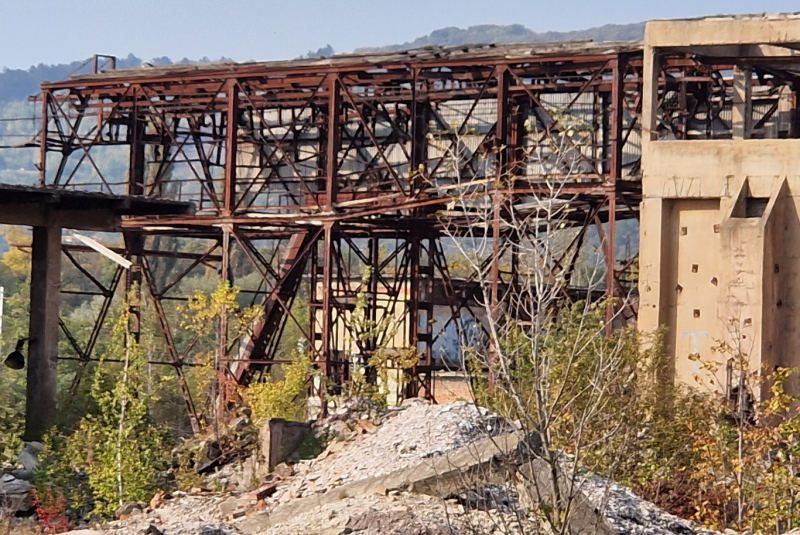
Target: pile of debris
[
  {"x": 418, "y": 469},
  {"x": 236, "y": 440},
  {"x": 15, "y": 487},
  {"x": 627, "y": 513},
  {"x": 397, "y": 439}
]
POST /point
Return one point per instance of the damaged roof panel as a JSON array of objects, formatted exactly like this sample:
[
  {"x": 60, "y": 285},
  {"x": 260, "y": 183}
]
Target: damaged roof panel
[{"x": 426, "y": 56}]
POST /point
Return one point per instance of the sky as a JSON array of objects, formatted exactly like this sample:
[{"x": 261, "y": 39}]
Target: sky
[{"x": 60, "y": 31}]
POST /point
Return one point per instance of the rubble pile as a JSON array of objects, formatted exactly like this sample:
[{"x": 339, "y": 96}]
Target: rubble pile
[
  {"x": 395, "y": 440},
  {"x": 195, "y": 513},
  {"x": 15, "y": 487},
  {"x": 391, "y": 471},
  {"x": 627, "y": 513},
  {"x": 236, "y": 441}
]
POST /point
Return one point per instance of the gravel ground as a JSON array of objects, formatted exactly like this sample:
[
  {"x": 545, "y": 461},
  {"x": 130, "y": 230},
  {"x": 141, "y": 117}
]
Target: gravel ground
[{"x": 184, "y": 514}]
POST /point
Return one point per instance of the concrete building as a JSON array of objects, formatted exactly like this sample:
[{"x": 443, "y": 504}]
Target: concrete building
[{"x": 720, "y": 231}]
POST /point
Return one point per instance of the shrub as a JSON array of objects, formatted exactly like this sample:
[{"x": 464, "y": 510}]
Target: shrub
[
  {"x": 51, "y": 511},
  {"x": 116, "y": 445},
  {"x": 281, "y": 399}
]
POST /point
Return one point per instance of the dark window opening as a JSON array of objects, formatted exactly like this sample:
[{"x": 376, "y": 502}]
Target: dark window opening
[{"x": 755, "y": 206}]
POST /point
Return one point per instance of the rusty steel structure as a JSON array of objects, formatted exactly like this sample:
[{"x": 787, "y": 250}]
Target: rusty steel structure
[{"x": 312, "y": 173}]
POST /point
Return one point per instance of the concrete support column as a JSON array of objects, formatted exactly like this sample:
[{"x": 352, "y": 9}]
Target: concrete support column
[
  {"x": 742, "y": 116},
  {"x": 40, "y": 408},
  {"x": 650, "y": 75}
]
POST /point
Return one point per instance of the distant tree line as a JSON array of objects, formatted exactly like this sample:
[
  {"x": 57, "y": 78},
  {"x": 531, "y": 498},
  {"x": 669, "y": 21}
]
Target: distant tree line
[{"x": 515, "y": 33}]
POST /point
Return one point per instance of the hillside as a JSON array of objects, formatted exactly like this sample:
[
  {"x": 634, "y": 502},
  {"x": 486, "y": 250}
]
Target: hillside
[{"x": 516, "y": 33}]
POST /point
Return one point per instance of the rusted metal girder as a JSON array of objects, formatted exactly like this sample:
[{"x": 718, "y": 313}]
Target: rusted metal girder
[{"x": 262, "y": 343}]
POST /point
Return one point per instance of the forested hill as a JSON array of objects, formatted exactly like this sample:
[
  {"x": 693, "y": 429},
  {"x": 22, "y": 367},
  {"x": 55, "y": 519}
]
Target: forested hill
[{"x": 516, "y": 33}]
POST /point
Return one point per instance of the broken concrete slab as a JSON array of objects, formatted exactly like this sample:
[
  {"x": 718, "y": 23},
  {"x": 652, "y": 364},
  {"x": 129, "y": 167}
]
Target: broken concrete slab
[
  {"x": 279, "y": 438},
  {"x": 229, "y": 507},
  {"x": 492, "y": 461},
  {"x": 538, "y": 486},
  {"x": 439, "y": 476}
]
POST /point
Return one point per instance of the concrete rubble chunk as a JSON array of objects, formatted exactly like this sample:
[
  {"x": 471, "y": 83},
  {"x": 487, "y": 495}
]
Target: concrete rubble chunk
[
  {"x": 130, "y": 509},
  {"x": 278, "y": 439},
  {"x": 29, "y": 459},
  {"x": 15, "y": 495},
  {"x": 232, "y": 505},
  {"x": 29, "y": 456}
]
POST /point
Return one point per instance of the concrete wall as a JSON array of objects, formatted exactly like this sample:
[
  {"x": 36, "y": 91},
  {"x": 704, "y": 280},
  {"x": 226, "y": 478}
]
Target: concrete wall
[
  {"x": 450, "y": 387},
  {"x": 724, "y": 30},
  {"x": 719, "y": 223}
]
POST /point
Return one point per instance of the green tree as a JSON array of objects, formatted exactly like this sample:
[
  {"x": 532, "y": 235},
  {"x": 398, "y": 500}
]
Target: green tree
[{"x": 117, "y": 444}]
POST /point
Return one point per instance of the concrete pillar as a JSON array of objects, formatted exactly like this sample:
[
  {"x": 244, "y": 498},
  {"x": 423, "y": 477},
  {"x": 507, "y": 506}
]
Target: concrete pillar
[
  {"x": 40, "y": 409},
  {"x": 742, "y": 116},
  {"x": 650, "y": 74}
]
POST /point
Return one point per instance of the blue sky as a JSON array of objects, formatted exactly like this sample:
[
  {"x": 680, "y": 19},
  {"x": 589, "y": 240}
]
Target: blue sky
[{"x": 55, "y": 31}]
